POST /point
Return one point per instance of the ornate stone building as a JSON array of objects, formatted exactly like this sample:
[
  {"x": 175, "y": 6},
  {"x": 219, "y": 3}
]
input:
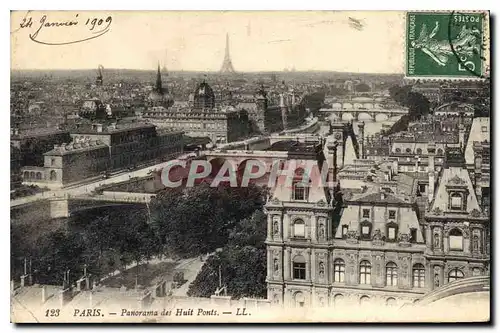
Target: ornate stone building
[{"x": 381, "y": 248}]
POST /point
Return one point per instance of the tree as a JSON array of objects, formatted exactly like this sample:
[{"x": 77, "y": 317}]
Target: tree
[
  {"x": 241, "y": 263},
  {"x": 198, "y": 220},
  {"x": 362, "y": 87},
  {"x": 418, "y": 105}
]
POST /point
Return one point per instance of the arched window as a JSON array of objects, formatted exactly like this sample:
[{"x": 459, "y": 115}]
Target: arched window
[
  {"x": 398, "y": 150},
  {"x": 455, "y": 274},
  {"x": 391, "y": 301},
  {"x": 456, "y": 240},
  {"x": 299, "y": 299},
  {"x": 299, "y": 268},
  {"x": 365, "y": 271},
  {"x": 38, "y": 175},
  {"x": 408, "y": 150},
  {"x": 26, "y": 175},
  {"x": 338, "y": 270},
  {"x": 53, "y": 175},
  {"x": 32, "y": 175},
  {"x": 338, "y": 300},
  {"x": 419, "y": 151},
  {"x": 299, "y": 228},
  {"x": 391, "y": 274},
  {"x": 364, "y": 300},
  {"x": 418, "y": 276},
  {"x": 440, "y": 151}
]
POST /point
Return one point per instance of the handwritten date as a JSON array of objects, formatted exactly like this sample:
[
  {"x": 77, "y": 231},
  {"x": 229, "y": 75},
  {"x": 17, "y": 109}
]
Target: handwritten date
[{"x": 96, "y": 26}]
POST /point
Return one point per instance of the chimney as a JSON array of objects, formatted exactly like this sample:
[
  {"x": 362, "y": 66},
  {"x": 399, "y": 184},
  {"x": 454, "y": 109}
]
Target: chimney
[
  {"x": 361, "y": 133},
  {"x": 431, "y": 148},
  {"x": 382, "y": 195},
  {"x": 98, "y": 128},
  {"x": 16, "y": 131},
  {"x": 461, "y": 136}
]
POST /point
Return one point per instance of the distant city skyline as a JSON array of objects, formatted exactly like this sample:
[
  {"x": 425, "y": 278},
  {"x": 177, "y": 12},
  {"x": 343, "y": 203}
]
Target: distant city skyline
[{"x": 195, "y": 41}]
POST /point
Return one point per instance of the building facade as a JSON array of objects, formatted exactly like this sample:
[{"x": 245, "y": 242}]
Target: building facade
[
  {"x": 96, "y": 150},
  {"x": 383, "y": 247}
]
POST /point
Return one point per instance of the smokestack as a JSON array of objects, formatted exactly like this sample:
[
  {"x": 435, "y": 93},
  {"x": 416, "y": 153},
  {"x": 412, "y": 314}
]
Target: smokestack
[
  {"x": 335, "y": 145},
  {"x": 461, "y": 136},
  {"x": 361, "y": 132},
  {"x": 431, "y": 148}
]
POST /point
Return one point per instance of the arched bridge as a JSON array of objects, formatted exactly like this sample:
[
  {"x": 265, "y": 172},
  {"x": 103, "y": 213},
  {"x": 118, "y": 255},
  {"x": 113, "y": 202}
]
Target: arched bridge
[{"x": 360, "y": 113}]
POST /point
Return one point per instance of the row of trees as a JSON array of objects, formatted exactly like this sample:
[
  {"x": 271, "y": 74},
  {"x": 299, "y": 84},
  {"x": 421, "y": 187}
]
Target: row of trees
[
  {"x": 179, "y": 223},
  {"x": 418, "y": 105}
]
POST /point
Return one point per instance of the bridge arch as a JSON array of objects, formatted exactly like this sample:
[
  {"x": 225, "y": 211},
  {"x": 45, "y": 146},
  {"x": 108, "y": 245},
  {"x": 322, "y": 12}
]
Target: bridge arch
[
  {"x": 347, "y": 106},
  {"x": 347, "y": 116},
  {"x": 381, "y": 117},
  {"x": 365, "y": 116}
]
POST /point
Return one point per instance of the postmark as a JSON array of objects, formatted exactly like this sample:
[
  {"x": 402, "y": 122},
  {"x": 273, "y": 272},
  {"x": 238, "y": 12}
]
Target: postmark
[{"x": 447, "y": 45}]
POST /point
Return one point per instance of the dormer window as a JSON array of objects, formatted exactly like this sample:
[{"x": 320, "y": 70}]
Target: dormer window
[
  {"x": 392, "y": 231},
  {"x": 345, "y": 229},
  {"x": 392, "y": 214},
  {"x": 366, "y": 213},
  {"x": 456, "y": 201},
  {"x": 300, "y": 191},
  {"x": 366, "y": 230}
]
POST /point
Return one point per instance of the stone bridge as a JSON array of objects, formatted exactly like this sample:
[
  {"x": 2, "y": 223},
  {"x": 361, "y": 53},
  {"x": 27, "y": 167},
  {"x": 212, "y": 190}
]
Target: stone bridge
[
  {"x": 357, "y": 112},
  {"x": 66, "y": 205}
]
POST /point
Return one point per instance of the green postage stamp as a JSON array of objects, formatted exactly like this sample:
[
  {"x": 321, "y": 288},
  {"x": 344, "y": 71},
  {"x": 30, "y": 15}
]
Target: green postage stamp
[{"x": 447, "y": 45}]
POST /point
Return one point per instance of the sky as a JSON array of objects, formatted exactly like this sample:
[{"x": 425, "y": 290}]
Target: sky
[{"x": 259, "y": 41}]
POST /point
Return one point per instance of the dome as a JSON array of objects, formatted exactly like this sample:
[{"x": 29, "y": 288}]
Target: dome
[{"x": 204, "y": 96}]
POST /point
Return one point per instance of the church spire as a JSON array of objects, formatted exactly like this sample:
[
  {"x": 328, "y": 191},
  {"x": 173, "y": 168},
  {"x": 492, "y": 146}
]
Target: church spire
[{"x": 158, "y": 80}]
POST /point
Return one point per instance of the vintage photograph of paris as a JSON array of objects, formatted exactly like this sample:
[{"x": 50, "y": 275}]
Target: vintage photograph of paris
[{"x": 239, "y": 166}]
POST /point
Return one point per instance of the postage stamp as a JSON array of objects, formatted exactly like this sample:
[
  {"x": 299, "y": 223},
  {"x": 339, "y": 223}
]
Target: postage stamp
[{"x": 446, "y": 44}]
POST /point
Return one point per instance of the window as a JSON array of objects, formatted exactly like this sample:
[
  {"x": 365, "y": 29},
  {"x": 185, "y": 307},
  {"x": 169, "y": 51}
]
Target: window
[
  {"x": 300, "y": 192},
  {"x": 398, "y": 150},
  {"x": 299, "y": 299},
  {"x": 364, "y": 300},
  {"x": 456, "y": 201},
  {"x": 484, "y": 129},
  {"x": 390, "y": 301},
  {"x": 338, "y": 270},
  {"x": 392, "y": 214},
  {"x": 365, "y": 230},
  {"x": 413, "y": 235},
  {"x": 455, "y": 274},
  {"x": 299, "y": 228},
  {"x": 456, "y": 240},
  {"x": 345, "y": 229},
  {"x": 418, "y": 276},
  {"x": 366, "y": 213},
  {"x": 53, "y": 175},
  {"x": 392, "y": 231},
  {"x": 440, "y": 151},
  {"x": 52, "y": 161},
  {"x": 391, "y": 274},
  {"x": 408, "y": 150},
  {"x": 477, "y": 271},
  {"x": 365, "y": 269},
  {"x": 338, "y": 300},
  {"x": 419, "y": 151},
  {"x": 299, "y": 268}
]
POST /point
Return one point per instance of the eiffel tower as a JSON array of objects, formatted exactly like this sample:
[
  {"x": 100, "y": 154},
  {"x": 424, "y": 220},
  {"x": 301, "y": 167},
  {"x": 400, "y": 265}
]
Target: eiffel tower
[{"x": 227, "y": 65}]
